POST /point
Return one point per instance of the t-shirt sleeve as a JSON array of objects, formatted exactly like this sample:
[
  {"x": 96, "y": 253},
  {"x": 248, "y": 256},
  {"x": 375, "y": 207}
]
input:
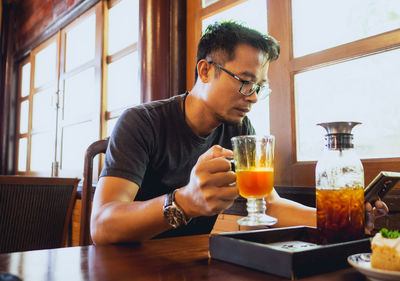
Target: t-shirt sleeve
[{"x": 129, "y": 148}]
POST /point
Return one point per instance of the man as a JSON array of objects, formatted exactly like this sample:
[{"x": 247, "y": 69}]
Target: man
[{"x": 166, "y": 172}]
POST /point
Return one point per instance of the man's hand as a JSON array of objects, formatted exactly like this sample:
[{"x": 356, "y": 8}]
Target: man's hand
[
  {"x": 371, "y": 213},
  {"x": 210, "y": 189}
]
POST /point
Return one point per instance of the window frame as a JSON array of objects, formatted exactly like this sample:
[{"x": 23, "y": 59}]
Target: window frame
[
  {"x": 32, "y": 91},
  {"x": 20, "y": 135},
  {"x": 290, "y": 172}
]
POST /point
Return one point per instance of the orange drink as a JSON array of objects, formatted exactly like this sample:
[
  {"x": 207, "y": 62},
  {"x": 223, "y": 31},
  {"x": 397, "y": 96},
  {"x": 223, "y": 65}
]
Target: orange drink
[
  {"x": 254, "y": 167},
  {"x": 255, "y": 183}
]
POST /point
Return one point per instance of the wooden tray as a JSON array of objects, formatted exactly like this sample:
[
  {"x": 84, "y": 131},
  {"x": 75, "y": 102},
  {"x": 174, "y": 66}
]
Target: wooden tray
[{"x": 288, "y": 252}]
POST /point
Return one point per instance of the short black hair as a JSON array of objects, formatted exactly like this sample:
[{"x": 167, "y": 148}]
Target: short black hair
[{"x": 220, "y": 40}]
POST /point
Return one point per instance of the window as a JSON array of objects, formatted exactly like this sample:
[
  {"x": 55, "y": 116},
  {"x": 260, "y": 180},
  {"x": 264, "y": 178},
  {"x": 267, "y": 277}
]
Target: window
[
  {"x": 37, "y": 118},
  {"x": 341, "y": 69},
  {"x": 80, "y": 92},
  {"x": 356, "y": 90},
  {"x": 59, "y": 101},
  {"x": 339, "y": 22},
  {"x": 73, "y": 87}
]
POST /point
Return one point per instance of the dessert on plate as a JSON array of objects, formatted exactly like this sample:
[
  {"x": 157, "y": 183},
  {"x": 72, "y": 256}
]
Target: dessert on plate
[{"x": 386, "y": 250}]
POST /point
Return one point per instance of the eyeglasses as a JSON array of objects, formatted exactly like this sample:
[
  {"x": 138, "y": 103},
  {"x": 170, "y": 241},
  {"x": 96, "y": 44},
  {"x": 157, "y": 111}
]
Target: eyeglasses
[{"x": 248, "y": 87}]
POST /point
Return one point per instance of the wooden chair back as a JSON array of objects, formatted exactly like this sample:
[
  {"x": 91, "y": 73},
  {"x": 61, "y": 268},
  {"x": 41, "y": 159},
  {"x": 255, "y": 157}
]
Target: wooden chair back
[
  {"x": 35, "y": 212},
  {"x": 94, "y": 149}
]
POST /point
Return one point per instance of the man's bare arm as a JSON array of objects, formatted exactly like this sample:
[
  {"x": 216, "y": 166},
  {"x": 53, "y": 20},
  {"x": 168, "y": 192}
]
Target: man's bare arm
[
  {"x": 117, "y": 218},
  {"x": 288, "y": 212}
]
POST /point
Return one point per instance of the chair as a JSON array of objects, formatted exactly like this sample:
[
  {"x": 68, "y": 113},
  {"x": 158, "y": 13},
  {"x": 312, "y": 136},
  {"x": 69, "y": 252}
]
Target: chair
[
  {"x": 35, "y": 212},
  {"x": 95, "y": 148}
]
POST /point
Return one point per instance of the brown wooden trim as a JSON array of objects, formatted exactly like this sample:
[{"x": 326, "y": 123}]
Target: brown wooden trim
[
  {"x": 99, "y": 76},
  {"x": 114, "y": 113},
  {"x": 177, "y": 47},
  {"x": 154, "y": 49},
  {"x": 357, "y": 49},
  {"x": 8, "y": 85},
  {"x": 122, "y": 53},
  {"x": 57, "y": 24},
  {"x": 94, "y": 149},
  {"x": 217, "y": 7},
  {"x": 193, "y": 33},
  {"x": 112, "y": 3},
  {"x": 38, "y": 180},
  {"x": 104, "y": 67},
  {"x": 279, "y": 24}
]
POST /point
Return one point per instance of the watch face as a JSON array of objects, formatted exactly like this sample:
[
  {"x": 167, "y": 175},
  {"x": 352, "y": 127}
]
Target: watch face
[{"x": 174, "y": 216}]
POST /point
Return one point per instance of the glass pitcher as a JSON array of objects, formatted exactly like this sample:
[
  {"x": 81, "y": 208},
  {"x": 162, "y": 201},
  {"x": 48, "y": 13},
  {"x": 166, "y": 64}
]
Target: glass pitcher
[{"x": 339, "y": 177}]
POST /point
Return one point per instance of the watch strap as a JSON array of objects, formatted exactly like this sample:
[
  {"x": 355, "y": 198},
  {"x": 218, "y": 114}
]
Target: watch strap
[{"x": 173, "y": 214}]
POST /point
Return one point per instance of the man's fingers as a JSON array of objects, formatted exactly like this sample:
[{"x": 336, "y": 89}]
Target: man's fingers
[
  {"x": 381, "y": 209},
  {"x": 215, "y": 152},
  {"x": 371, "y": 213},
  {"x": 219, "y": 164},
  {"x": 369, "y": 220},
  {"x": 228, "y": 193},
  {"x": 221, "y": 179}
]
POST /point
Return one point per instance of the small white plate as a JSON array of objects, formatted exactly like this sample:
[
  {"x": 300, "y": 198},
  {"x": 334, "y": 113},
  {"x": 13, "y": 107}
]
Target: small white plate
[{"x": 362, "y": 262}]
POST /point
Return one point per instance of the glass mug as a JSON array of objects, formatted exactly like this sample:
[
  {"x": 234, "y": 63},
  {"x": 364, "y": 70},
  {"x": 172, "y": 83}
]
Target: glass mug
[{"x": 254, "y": 167}]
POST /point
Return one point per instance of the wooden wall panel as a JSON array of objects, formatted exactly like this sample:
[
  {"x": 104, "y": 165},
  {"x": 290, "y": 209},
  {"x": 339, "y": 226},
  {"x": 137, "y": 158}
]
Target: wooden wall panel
[{"x": 35, "y": 16}]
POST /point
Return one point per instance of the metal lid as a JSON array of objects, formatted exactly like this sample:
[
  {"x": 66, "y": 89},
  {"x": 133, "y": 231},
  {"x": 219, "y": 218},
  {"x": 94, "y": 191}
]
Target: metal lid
[{"x": 339, "y": 127}]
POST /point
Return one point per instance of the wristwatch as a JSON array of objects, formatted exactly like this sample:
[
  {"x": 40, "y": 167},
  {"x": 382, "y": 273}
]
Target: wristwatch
[{"x": 173, "y": 215}]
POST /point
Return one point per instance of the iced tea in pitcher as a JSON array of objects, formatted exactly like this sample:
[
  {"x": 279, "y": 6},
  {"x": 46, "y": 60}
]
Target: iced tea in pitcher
[
  {"x": 340, "y": 214},
  {"x": 339, "y": 179}
]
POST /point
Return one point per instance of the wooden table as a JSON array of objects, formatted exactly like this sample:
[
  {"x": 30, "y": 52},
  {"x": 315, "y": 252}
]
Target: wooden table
[{"x": 183, "y": 258}]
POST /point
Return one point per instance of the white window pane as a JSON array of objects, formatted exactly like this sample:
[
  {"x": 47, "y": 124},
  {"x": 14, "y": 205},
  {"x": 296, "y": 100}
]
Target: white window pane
[
  {"x": 42, "y": 152},
  {"x": 46, "y": 65},
  {"x": 23, "y": 117},
  {"x": 365, "y": 90},
  {"x": 26, "y": 80},
  {"x": 80, "y": 46},
  {"x": 22, "y": 153},
  {"x": 252, "y": 13},
  {"x": 79, "y": 95},
  {"x": 43, "y": 113},
  {"x": 206, "y": 3},
  {"x": 123, "y": 24},
  {"x": 110, "y": 126},
  {"x": 76, "y": 139},
  {"x": 318, "y": 25},
  {"x": 123, "y": 84},
  {"x": 259, "y": 117}
]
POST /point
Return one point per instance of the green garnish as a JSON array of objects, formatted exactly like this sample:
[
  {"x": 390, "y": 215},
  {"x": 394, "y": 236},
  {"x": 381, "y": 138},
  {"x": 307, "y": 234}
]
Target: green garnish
[{"x": 389, "y": 233}]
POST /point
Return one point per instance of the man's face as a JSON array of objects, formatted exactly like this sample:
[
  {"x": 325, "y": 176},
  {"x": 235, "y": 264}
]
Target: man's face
[{"x": 224, "y": 99}]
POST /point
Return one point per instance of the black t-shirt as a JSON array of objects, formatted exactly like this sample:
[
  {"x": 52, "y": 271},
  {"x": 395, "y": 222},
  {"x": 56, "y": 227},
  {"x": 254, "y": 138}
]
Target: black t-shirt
[{"x": 153, "y": 146}]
